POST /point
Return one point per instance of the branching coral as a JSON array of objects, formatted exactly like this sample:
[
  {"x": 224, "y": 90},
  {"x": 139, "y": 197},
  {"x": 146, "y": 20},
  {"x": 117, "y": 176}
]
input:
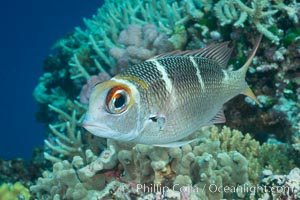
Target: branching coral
[
  {"x": 292, "y": 9},
  {"x": 68, "y": 143},
  {"x": 260, "y": 14},
  {"x": 103, "y": 30},
  {"x": 42, "y": 94},
  {"x": 296, "y": 138},
  {"x": 235, "y": 11},
  {"x": 67, "y": 140}
]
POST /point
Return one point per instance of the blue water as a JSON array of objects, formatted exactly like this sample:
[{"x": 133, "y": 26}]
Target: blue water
[{"x": 28, "y": 30}]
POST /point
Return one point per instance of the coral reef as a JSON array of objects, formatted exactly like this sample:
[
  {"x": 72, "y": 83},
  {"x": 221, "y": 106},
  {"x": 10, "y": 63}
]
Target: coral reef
[
  {"x": 125, "y": 33},
  {"x": 142, "y": 43},
  {"x": 261, "y": 14},
  {"x": 20, "y": 170},
  {"x": 226, "y": 158},
  {"x": 272, "y": 157},
  {"x": 296, "y": 138},
  {"x": 236, "y": 11},
  {"x": 150, "y": 28},
  {"x": 72, "y": 181},
  {"x": 91, "y": 82},
  {"x": 280, "y": 186},
  {"x": 67, "y": 139}
]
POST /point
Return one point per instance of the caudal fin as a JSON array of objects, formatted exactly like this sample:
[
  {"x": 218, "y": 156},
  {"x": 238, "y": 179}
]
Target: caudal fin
[
  {"x": 243, "y": 70},
  {"x": 245, "y": 67},
  {"x": 248, "y": 92}
]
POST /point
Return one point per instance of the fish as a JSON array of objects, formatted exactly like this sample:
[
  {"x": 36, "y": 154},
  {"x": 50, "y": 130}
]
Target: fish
[{"x": 165, "y": 99}]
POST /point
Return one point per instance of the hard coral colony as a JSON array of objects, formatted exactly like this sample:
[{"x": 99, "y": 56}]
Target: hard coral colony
[{"x": 223, "y": 163}]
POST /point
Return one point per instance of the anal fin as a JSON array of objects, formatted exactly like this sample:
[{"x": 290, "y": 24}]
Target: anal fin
[{"x": 176, "y": 144}]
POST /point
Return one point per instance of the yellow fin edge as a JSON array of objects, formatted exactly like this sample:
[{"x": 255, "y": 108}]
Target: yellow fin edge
[
  {"x": 135, "y": 79},
  {"x": 248, "y": 92}
]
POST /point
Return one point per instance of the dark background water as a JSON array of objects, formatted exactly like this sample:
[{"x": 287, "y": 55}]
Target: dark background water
[{"x": 28, "y": 30}]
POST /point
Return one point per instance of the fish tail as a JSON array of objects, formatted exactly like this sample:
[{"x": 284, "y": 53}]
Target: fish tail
[
  {"x": 243, "y": 70},
  {"x": 248, "y": 92},
  {"x": 245, "y": 67}
]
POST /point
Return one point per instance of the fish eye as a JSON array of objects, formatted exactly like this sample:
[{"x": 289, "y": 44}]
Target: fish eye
[{"x": 117, "y": 100}]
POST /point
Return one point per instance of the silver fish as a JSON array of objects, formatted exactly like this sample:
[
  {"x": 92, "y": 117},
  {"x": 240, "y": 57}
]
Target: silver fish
[{"x": 167, "y": 98}]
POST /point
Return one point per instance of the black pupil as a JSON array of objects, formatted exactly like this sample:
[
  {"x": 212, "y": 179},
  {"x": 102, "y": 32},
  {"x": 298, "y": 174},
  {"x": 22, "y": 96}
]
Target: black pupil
[{"x": 120, "y": 101}]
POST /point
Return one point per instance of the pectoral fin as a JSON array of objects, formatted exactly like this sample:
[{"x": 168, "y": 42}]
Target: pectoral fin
[
  {"x": 159, "y": 120},
  {"x": 218, "y": 118}
]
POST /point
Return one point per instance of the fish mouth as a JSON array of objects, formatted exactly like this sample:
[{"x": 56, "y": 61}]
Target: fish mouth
[
  {"x": 98, "y": 129},
  {"x": 87, "y": 124},
  {"x": 101, "y": 130}
]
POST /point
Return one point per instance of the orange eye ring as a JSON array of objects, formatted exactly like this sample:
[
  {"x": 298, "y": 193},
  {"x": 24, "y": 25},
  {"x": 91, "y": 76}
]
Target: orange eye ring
[{"x": 117, "y": 100}]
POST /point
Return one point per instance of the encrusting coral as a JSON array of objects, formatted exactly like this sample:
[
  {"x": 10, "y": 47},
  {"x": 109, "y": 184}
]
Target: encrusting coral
[
  {"x": 141, "y": 43},
  {"x": 15, "y": 191},
  {"x": 214, "y": 161},
  {"x": 247, "y": 146},
  {"x": 74, "y": 180},
  {"x": 282, "y": 186}
]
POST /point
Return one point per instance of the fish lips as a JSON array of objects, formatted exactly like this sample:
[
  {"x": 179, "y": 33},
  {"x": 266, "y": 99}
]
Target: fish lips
[
  {"x": 98, "y": 129},
  {"x": 101, "y": 130}
]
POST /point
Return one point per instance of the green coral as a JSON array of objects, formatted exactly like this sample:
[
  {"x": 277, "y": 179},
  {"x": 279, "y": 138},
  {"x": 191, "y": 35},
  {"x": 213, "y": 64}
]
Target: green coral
[
  {"x": 179, "y": 37},
  {"x": 14, "y": 191},
  {"x": 292, "y": 35},
  {"x": 273, "y": 157}
]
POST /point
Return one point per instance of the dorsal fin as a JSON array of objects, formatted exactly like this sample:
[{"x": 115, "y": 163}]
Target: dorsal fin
[
  {"x": 218, "y": 52},
  {"x": 168, "y": 54}
]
